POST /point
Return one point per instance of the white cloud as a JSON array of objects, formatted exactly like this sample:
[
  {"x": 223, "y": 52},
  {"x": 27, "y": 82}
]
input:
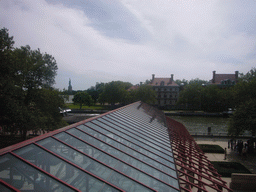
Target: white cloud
[{"x": 189, "y": 39}]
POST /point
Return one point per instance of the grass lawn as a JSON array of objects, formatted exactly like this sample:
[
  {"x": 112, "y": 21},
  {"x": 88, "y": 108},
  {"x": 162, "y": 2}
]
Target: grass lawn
[
  {"x": 94, "y": 107},
  {"x": 227, "y": 168},
  {"x": 211, "y": 148}
]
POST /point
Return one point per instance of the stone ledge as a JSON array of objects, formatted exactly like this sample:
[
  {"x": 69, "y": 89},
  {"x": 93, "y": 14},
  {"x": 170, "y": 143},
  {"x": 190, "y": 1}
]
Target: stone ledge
[{"x": 243, "y": 182}]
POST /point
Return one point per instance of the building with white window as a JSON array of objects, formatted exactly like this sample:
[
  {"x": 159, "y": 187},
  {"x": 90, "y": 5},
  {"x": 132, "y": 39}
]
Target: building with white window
[{"x": 167, "y": 91}]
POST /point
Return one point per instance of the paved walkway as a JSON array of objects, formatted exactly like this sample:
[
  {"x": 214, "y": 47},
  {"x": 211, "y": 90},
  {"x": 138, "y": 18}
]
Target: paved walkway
[{"x": 232, "y": 156}]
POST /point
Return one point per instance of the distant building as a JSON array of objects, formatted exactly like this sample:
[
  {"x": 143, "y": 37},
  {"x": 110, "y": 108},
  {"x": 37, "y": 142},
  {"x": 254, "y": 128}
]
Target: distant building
[
  {"x": 69, "y": 86},
  {"x": 134, "y": 87},
  {"x": 167, "y": 91},
  {"x": 224, "y": 80},
  {"x": 68, "y": 98}
]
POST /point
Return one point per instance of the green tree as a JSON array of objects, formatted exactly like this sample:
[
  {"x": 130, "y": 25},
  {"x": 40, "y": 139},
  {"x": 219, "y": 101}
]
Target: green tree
[
  {"x": 146, "y": 94},
  {"x": 42, "y": 112},
  {"x": 182, "y": 82},
  {"x": 93, "y": 93},
  {"x": 191, "y": 96},
  {"x": 215, "y": 99},
  {"x": 34, "y": 69},
  {"x": 48, "y": 102},
  {"x": 100, "y": 87},
  {"x": 82, "y": 98},
  {"x": 8, "y": 104},
  {"x": 210, "y": 98},
  {"x": 196, "y": 81},
  {"x": 115, "y": 92},
  {"x": 244, "y": 117},
  {"x": 245, "y": 88},
  {"x": 26, "y": 76}
]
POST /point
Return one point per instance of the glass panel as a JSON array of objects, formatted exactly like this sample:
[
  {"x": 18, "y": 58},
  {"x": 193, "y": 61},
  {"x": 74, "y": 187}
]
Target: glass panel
[
  {"x": 133, "y": 173},
  {"x": 144, "y": 132},
  {"x": 59, "y": 168},
  {"x": 141, "y": 140},
  {"x": 142, "y": 118},
  {"x": 90, "y": 164},
  {"x": 25, "y": 177},
  {"x": 158, "y": 129},
  {"x": 106, "y": 159},
  {"x": 115, "y": 143},
  {"x": 107, "y": 188},
  {"x": 134, "y": 113},
  {"x": 137, "y": 126},
  {"x": 115, "y": 129}
]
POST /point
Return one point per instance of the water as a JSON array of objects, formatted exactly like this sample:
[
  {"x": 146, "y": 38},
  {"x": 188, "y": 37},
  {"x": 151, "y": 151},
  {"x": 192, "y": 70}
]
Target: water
[{"x": 199, "y": 125}]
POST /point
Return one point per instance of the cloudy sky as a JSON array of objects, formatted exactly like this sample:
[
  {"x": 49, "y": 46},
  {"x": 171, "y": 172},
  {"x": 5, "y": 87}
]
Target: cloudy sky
[{"x": 129, "y": 40}]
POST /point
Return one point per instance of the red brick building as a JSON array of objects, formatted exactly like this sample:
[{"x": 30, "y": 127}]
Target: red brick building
[
  {"x": 224, "y": 80},
  {"x": 167, "y": 90}
]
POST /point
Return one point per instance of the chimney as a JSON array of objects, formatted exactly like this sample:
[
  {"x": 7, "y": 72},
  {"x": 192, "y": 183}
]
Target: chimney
[
  {"x": 171, "y": 77},
  {"x": 213, "y": 76},
  {"x": 236, "y": 75},
  {"x": 153, "y": 77}
]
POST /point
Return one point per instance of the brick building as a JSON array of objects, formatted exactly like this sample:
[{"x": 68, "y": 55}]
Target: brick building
[
  {"x": 224, "y": 80},
  {"x": 167, "y": 91}
]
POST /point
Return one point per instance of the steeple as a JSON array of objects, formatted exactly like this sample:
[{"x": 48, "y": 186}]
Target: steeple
[{"x": 69, "y": 86}]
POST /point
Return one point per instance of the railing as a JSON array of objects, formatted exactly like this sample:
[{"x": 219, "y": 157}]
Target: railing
[{"x": 219, "y": 134}]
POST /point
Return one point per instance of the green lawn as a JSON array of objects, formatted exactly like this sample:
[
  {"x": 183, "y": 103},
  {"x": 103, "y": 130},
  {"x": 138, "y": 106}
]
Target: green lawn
[{"x": 94, "y": 107}]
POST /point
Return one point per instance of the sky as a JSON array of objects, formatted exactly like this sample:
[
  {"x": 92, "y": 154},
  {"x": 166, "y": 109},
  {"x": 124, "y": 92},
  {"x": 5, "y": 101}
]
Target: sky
[{"x": 129, "y": 40}]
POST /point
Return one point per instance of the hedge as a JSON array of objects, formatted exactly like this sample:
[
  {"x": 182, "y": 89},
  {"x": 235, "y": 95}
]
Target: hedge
[
  {"x": 211, "y": 148},
  {"x": 227, "y": 168}
]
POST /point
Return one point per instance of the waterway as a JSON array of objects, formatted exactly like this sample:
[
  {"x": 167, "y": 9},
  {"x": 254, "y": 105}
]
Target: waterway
[
  {"x": 199, "y": 124},
  {"x": 196, "y": 125}
]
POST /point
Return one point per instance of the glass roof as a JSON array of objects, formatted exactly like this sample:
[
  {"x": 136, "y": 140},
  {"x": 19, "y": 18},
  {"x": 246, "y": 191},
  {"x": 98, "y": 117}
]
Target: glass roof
[{"x": 127, "y": 149}]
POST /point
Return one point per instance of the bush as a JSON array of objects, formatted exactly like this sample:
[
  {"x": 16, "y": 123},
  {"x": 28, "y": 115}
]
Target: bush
[
  {"x": 227, "y": 168},
  {"x": 211, "y": 148}
]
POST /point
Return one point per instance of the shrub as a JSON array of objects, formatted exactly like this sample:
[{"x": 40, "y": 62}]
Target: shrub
[
  {"x": 227, "y": 168},
  {"x": 211, "y": 148}
]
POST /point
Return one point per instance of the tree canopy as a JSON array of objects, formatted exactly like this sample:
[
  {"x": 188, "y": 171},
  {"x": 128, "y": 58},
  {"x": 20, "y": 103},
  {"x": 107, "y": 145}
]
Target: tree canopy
[
  {"x": 142, "y": 92},
  {"x": 114, "y": 92},
  {"x": 82, "y": 98},
  {"x": 244, "y": 117},
  {"x": 146, "y": 94},
  {"x": 197, "y": 95},
  {"x": 26, "y": 80}
]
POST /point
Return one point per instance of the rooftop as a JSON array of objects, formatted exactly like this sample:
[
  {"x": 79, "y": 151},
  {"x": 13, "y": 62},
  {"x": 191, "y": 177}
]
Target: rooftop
[
  {"x": 133, "y": 148},
  {"x": 163, "y": 82},
  {"x": 219, "y": 78}
]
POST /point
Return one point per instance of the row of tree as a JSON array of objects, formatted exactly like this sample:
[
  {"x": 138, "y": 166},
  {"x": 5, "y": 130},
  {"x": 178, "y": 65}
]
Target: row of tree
[
  {"x": 28, "y": 101},
  {"x": 195, "y": 94},
  {"x": 115, "y": 92},
  {"x": 244, "y": 103},
  {"x": 241, "y": 98}
]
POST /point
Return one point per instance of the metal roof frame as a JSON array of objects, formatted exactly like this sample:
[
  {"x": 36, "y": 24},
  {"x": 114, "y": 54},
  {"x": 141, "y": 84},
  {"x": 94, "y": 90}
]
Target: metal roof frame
[
  {"x": 160, "y": 144},
  {"x": 195, "y": 170}
]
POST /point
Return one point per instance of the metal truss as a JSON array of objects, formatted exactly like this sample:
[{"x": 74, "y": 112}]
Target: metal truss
[{"x": 196, "y": 173}]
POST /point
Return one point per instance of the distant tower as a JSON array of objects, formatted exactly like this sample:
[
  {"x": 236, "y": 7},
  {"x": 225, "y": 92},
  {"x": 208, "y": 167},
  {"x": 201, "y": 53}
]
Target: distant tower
[{"x": 69, "y": 86}]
